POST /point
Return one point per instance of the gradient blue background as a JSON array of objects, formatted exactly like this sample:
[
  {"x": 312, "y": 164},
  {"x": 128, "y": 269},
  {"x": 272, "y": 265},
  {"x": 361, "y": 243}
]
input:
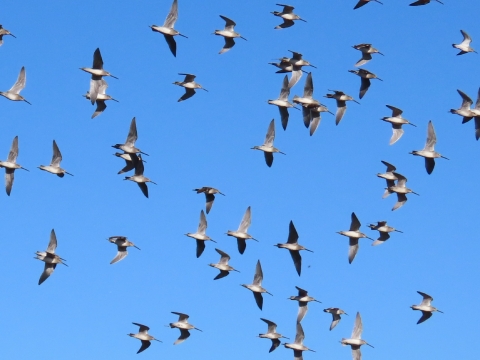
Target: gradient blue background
[{"x": 85, "y": 310}]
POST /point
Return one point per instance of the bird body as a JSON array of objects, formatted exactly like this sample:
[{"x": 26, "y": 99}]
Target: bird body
[
  {"x": 129, "y": 146},
  {"x": 367, "y": 51},
  {"x": 365, "y": 76},
  {"x": 397, "y": 121},
  {"x": 383, "y": 229},
  {"x": 272, "y": 334},
  {"x": 297, "y": 346},
  {"x": 14, "y": 92},
  {"x": 11, "y": 165},
  {"x": 209, "y": 195},
  {"x": 355, "y": 341},
  {"x": 283, "y": 103},
  {"x": 401, "y": 189},
  {"x": 183, "y": 325},
  {"x": 4, "y": 32},
  {"x": 425, "y": 307},
  {"x": 464, "y": 46},
  {"x": 49, "y": 258},
  {"x": 341, "y": 99}
]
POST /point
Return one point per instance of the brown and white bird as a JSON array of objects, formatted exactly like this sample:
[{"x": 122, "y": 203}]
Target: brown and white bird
[
  {"x": 209, "y": 195},
  {"x": 400, "y": 188},
  {"x": 190, "y": 85},
  {"x": 200, "y": 236},
  {"x": 336, "y": 312},
  {"x": 303, "y": 300},
  {"x": 143, "y": 336},
  {"x": 11, "y": 165},
  {"x": 355, "y": 340},
  {"x": 54, "y": 167},
  {"x": 294, "y": 247},
  {"x": 354, "y": 234},
  {"x": 428, "y": 152},
  {"x": 122, "y": 243},
  {"x": 365, "y": 77},
  {"x": 464, "y": 46},
  {"x": 423, "y": 2},
  {"x": 228, "y": 33},
  {"x": 397, "y": 121},
  {"x": 341, "y": 99},
  {"x": 4, "y": 32},
  {"x": 14, "y": 92},
  {"x": 425, "y": 307},
  {"x": 49, "y": 258},
  {"x": 384, "y": 231},
  {"x": 271, "y": 334},
  {"x": 287, "y": 15},
  {"x": 222, "y": 265},
  {"x": 183, "y": 325},
  {"x": 364, "y": 2},
  {"x": 367, "y": 51},
  {"x": 256, "y": 286}
]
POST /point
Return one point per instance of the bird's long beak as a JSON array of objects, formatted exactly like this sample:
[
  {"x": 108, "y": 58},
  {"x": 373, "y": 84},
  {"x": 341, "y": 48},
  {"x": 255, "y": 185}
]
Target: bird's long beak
[
  {"x": 356, "y": 101},
  {"x": 213, "y": 241},
  {"x": 144, "y": 153},
  {"x": 413, "y": 124},
  {"x": 443, "y": 157},
  {"x": 27, "y": 102},
  {"x": 413, "y": 192},
  {"x": 302, "y": 20},
  {"x": 153, "y": 182},
  {"x": 243, "y": 38},
  {"x": 114, "y": 99},
  {"x": 398, "y": 231},
  {"x": 25, "y": 169},
  {"x": 379, "y": 79},
  {"x": 204, "y": 89},
  {"x": 308, "y": 250},
  {"x": 135, "y": 246},
  {"x": 221, "y": 193},
  {"x": 381, "y": 53},
  {"x": 268, "y": 293},
  {"x": 183, "y": 35},
  {"x": 66, "y": 172},
  {"x": 366, "y": 342},
  {"x": 13, "y": 35},
  {"x": 114, "y": 76},
  {"x": 255, "y": 239}
]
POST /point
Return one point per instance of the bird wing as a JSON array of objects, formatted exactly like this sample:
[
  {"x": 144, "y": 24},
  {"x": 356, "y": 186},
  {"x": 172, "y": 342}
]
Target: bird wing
[
  {"x": 359, "y": 5},
  {"x": 292, "y": 234},
  {"x": 466, "y": 100},
  {"x": 335, "y": 321},
  {"x": 296, "y": 75},
  {"x": 286, "y": 24},
  {"x": 101, "y": 106},
  {"x": 356, "y": 353},
  {"x": 268, "y": 158},
  {"x": 396, "y": 112},
  {"x": 389, "y": 166},
  {"x": 258, "y": 299},
  {"x": 57, "y": 155},
  {"x": 366, "y": 57},
  {"x": 401, "y": 199},
  {"x": 97, "y": 59},
  {"x": 384, "y": 236},
  {"x": 302, "y": 310},
  {"x": 275, "y": 344},
  {"x": 257, "y": 279},
  {"x": 284, "y": 116},
  {"x": 202, "y": 225},
  {"x": 357, "y": 328},
  {"x": 121, "y": 254},
  {"x": 172, "y": 44},
  {"x": 425, "y": 316},
  {"x": 301, "y": 292},
  {"x": 241, "y": 245},
  {"x": 397, "y": 133},
  {"x": 221, "y": 274},
  {"x": 184, "y": 335},
  {"x": 129, "y": 164},
  {"x": 143, "y": 187},
  {"x": 9, "y": 177},
  {"x": 94, "y": 89},
  {"x": 145, "y": 345},
  {"x": 48, "y": 270},
  {"x": 132, "y": 133},
  {"x": 353, "y": 249},
  {"x": 229, "y": 23},
  {"x": 20, "y": 83},
  {"x": 287, "y": 9},
  {"x": 431, "y": 137},
  {"x": 52, "y": 244},
  {"x": 12, "y": 155},
  {"x": 143, "y": 328},
  {"x": 300, "y": 334},
  {"x": 297, "y": 260},
  {"x": 270, "y": 134},
  {"x": 466, "y": 38},
  {"x": 297, "y": 355},
  {"x": 429, "y": 165},
  {"x": 246, "y": 220},
  {"x": 209, "y": 201},
  {"x": 181, "y": 316},
  {"x": 188, "y": 77},
  {"x": 200, "y": 247},
  {"x": 477, "y": 127},
  {"x": 364, "y": 85},
  {"x": 307, "y": 116},
  {"x": 188, "y": 94},
  {"x": 355, "y": 225},
  {"x": 285, "y": 91},
  {"x": 315, "y": 121},
  {"x": 172, "y": 15},
  {"x": 272, "y": 327},
  {"x": 341, "y": 108},
  {"x": 427, "y": 299},
  {"x": 229, "y": 42},
  {"x": 308, "y": 89},
  {"x": 402, "y": 180}
]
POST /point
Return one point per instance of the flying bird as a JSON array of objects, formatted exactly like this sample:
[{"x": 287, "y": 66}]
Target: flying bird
[
  {"x": 209, "y": 195},
  {"x": 428, "y": 151},
  {"x": 282, "y": 102},
  {"x": 353, "y": 235},
  {"x": 400, "y": 188},
  {"x": 256, "y": 287},
  {"x": 356, "y": 339},
  {"x": 364, "y": 2},
  {"x": 464, "y": 109},
  {"x": 200, "y": 235},
  {"x": 297, "y": 61},
  {"x": 365, "y": 77},
  {"x": 129, "y": 163},
  {"x": 190, "y": 85},
  {"x": 129, "y": 146},
  {"x": 143, "y": 336},
  {"x": 122, "y": 243},
  {"x": 14, "y": 93},
  {"x": 287, "y": 15},
  {"x": 336, "y": 312},
  {"x": 389, "y": 177},
  {"x": 49, "y": 258},
  {"x": 303, "y": 300},
  {"x": 384, "y": 231},
  {"x": 11, "y": 165},
  {"x": 183, "y": 325},
  {"x": 397, "y": 121},
  {"x": 425, "y": 307},
  {"x": 228, "y": 33},
  {"x": 367, "y": 51},
  {"x": 267, "y": 147},
  {"x": 307, "y": 101},
  {"x": 341, "y": 99},
  {"x": 222, "y": 265},
  {"x": 272, "y": 334},
  {"x": 294, "y": 247},
  {"x": 138, "y": 176},
  {"x": 4, "y": 32},
  {"x": 423, "y": 2},
  {"x": 297, "y": 346},
  {"x": 464, "y": 46},
  {"x": 54, "y": 167},
  {"x": 241, "y": 234},
  {"x": 101, "y": 98},
  {"x": 167, "y": 29}
]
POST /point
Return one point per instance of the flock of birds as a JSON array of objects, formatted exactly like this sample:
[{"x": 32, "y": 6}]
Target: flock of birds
[{"x": 311, "y": 112}]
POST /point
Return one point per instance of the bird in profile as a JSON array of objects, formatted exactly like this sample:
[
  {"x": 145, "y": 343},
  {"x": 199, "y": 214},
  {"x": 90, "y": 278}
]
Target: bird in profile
[
  {"x": 356, "y": 339},
  {"x": 97, "y": 72},
  {"x": 341, "y": 99},
  {"x": 222, "y": 265},
  {"x": 307, "y": 101},
  {"x": 464, "y": 46},
  {"x": 183, "y": 325},
  {"x": 353, "y": 234},
  {"x": 272, "y": 334},
  {"x": 315, "y": 117},
  {"x": 384, "y": 231},
  {"x": 101, "y": 98},
  {"x": 241, "y": 234},
  {"x": 464, "y": 109},
  {"x": 423, "y": 2},
  {"x": 129, "y": 163},
  {"x": 11, "y": 165},
  {"x": 282, "y": 102},
  {"x": 228, "y": 33},
  {"x": 303, "y": 300},
  {"x": 400, "y": 188},
  {"x": 14, "y": 93},
  {"x": 54, "y": 167},
  {"x": 294, "y": 247},
  {"x": 190, "y": 85},
  {"x": 287, "y": 15},
  {"x": 364, "y": 2},
  {"x": 256, "y": 287},
  {"x": 367, "y": 51},
  {"x": 4, "y": 32},
  {"x": 425, "y": 307},
  {"x": 209, "y": 195},
  {"x": 200, "y": 235},
  {"x": 122, "y": 243},
  {"x": 365, "y": 77},
  {"x": 397, "y": 121},
  {"x": 143, "y": 336},
  {"x": 167, "y": 29},
  {"x": 138, "y": 176},
  {"x": 49, "y": 258},
  {"x": 389, "y": 177},
  {"x": 267, "y": 147},
  {"x": 428, "y": 151},
  {"x": 297, "y": 61},
  {"x": 297, "y": 346},
  {"x": 336, "y": 312},
  {"x": 129, "y": 146}
]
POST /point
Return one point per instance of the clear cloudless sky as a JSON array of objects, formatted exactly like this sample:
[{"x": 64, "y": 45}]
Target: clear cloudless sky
[{"x": 84, "y": 311}]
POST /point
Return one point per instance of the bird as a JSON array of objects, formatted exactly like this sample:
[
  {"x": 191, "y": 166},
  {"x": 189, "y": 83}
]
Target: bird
[
  {"x": 428, "y": 151},
  {"x": 353, "y": 234},
  {"x": 256, "y": 287},
  {"x": 294, "y": 247},
  {"x": 4, "y": 32},
  {"x": 209, "y": 195},
  {"x": 14, "y": 93},
  {"x": 307, "y": 101},
  {"x": 97, "y": 72},
  {"x": 284, "y": 65},
  {"x": 101, "y": 98},
  {"x": 389, "y": 177},
  {"x": 315, "y": 117},
  {"x": 167, "y": 29},
  {"x": 267, "y": 147},
  {"x": 365, "y": 76},
  {"x": 397, "y": 121},
  {"x": 200, "y": 235},
  {"x": 138, "y": 175},
  {"x": 228, "y": 33},
  {"x": 297, "y": 346},
  {"x": 129, "y": 146},
  {"x": 143, "y": 336},
  {"x": 271, "y": 334},
  {"x": 364, "y": 2},
  {"x": 282, "y": 102},
  {"x": 367, "y": 51},
  {"x": 287, "y": 15},
  {"x": 190, "y": 85},
  {"x": 222, "y": 265},
  {"x": 49, "y": 258},
  {"x": 425, "y": 307},
  {"x": 336, "y": 312},
  {"x": 401, "y": 190},
  {"x": 423, "y": 2},
  {"x": 54, "y": 167},
  {"x": 341, "y": 99},
  {"x": 241, "y": 234},
  {"x": 129, "y": 163},
  {"x": 383, "y": 229},
  {"x": 464, "y": 46},
  {"x": 183, "y": 325},
  {"x": 297, "y": 61},
  {"x": 303, "y": 300},
  {"x": 356, "y": 341},
  {"x": 464, "y": 109},
  {"x": 476, "y": 112},
  {"x": 11, "y": 165},
  {"x": 122, "y": 243}
]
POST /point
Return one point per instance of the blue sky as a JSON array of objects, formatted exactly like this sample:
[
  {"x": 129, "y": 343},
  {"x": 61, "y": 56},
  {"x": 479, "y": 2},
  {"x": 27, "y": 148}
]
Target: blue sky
[{"x": 86, "y": 310}]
